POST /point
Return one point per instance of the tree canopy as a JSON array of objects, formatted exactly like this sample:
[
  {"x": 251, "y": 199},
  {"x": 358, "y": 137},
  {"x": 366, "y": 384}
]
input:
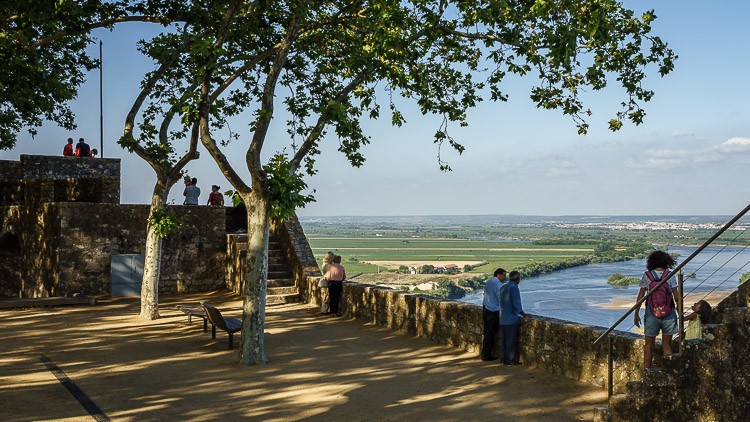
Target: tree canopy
[{"x": 328, "y": 64}]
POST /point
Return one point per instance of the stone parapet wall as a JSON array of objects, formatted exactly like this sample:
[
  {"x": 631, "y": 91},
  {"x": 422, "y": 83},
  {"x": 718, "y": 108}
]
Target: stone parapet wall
[
  {"x": 235, "y": 262},
  {"x": 58, "y": 167},
  {"x": 11, "y": 187},
  {"x": 299, "y": 255},
  {"x": 708, "y": 381},
  {"x": 558, "y": 346},
  {"x": 10, "y": 171},
  {"x": 66, "y": 247}
]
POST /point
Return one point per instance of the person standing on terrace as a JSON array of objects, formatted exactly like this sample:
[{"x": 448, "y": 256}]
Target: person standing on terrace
[
  {"x": 491, "y": 312},
  {"x": 192, "y": 192},
  {"x": 660, "y": 314},
  {"x": 335, "y": 274},
  {"x": 511, "y": 312}
]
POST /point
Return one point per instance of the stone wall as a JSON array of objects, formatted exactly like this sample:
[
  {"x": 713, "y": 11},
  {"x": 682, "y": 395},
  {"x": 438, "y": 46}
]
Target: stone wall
[
  {"x": 11, "y": 176},
  {"x": 299, "y": 255},
  {"x": 235, "y": 262},
  {"x": 66, "y": 247},
  {"x": 558, "y": 346},
  {"x": 54, "y": 167},
  {"x": 708, "y": 381},
  {"x": 60, "y": 179}
]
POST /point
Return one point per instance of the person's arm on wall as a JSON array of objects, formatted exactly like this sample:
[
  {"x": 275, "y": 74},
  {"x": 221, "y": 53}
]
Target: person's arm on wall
[
  {"x": 517, "y": 306},
  {"x": 637, "y": 317}
]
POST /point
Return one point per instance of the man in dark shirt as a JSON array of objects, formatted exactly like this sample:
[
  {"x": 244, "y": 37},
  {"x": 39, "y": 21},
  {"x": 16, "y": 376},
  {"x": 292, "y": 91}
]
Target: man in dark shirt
[{"x": 82, "y": 149}]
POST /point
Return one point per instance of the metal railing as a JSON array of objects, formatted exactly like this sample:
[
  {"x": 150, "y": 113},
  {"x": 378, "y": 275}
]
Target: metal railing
[{"x": 638, "y": 304}]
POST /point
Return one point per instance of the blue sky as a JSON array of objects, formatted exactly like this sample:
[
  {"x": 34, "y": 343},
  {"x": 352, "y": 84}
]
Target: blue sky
[{"x": 691, "y": 155}]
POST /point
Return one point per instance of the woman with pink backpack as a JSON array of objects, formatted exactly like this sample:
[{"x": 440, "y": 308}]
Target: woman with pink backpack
[{"x": 660, "y": 312}]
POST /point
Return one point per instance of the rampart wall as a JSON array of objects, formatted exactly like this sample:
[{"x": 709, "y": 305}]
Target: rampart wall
[{"x": 65, "y": 247}]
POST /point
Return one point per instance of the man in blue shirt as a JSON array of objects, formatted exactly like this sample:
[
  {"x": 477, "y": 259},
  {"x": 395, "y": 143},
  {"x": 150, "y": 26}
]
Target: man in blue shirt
[
  {"x": 510, "y": 318},
  {"x": 491, "y": 312}
]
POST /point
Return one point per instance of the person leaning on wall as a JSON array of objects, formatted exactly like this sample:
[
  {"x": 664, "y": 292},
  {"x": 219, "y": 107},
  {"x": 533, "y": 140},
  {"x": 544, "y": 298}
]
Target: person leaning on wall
[
  {"x": 335, "y": 275},
  {"x": 491, "y": 313},
  {"x": 323, "y": 284}
]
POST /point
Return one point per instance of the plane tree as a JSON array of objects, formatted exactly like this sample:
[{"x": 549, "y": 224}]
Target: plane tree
[
  {"x": 43, "y": 48},
  {"x": 331, "y": 64}
]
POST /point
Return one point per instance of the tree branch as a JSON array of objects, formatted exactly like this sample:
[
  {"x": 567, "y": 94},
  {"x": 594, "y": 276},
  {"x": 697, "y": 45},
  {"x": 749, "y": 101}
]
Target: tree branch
[
  {"x": 322, "y": 120},
  {"x": 102, "y": 24},
  {"x": 266, "y": 112}
]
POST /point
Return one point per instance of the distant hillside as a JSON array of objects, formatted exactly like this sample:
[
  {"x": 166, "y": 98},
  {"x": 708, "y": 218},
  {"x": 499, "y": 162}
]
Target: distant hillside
[{"x": 515, "y": 219}]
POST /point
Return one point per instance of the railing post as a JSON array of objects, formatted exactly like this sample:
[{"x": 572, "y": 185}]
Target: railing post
[
  {"x": 610, "y": 370},
  {"x": 680, "y": 307}
]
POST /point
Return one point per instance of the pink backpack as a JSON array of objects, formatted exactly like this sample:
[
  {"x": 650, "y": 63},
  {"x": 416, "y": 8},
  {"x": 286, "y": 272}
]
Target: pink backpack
[{"x": 660, "y": 301}]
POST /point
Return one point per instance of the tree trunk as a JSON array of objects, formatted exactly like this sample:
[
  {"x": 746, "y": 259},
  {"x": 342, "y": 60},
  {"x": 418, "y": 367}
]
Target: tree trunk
[
  {"x": 256, "y": 273},
  {"x": 152, "y": 266}
]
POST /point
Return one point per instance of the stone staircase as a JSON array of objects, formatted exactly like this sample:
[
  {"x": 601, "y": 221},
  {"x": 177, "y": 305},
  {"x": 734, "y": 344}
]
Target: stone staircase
[
  {"x": 710, "y": 381},
  {"x": 281, "y": 285}
]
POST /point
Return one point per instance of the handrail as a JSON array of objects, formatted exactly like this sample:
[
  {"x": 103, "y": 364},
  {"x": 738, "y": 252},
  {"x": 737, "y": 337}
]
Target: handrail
[{"x": 675, "y": 271}]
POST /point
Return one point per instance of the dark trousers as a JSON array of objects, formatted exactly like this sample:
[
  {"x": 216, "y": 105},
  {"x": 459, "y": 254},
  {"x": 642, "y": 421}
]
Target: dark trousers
[
  {"x": 491, "y": 326},
  {"x": 334, "y": 292},
  {"x": 508, "y": 343}
]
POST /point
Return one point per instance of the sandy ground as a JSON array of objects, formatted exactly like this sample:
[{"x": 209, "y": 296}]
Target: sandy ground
[
  {"x": 320, "y": 368},
  {"x": 713, "y": 299}
]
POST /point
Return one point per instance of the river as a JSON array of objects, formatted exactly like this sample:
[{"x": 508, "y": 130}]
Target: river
[{"x": 574, "y": 294}]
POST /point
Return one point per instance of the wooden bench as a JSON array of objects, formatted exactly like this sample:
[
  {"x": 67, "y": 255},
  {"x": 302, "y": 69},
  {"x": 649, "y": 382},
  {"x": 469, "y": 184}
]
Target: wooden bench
[
  {"x": 230, "y": 325},
  {"x": 192, "y": 310}
]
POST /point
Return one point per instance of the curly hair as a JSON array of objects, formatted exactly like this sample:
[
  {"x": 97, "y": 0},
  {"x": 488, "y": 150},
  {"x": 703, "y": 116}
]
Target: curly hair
[
  {"x": 704, "y": 311},
  {"x": 659, "y": 259}
]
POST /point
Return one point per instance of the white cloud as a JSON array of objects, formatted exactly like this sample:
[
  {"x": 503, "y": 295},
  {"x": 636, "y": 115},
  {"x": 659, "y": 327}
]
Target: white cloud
[
  {"x": 554, "y": 156},
  {"x": 736, "y": 144},
  {"x": 672, "y": 158},
  {"x": 654, "y": 163},
  {"x": 682, "y": 134}
]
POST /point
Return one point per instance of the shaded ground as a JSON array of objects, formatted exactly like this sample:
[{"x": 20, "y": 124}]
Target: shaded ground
[{"x": 320, "y": 368}]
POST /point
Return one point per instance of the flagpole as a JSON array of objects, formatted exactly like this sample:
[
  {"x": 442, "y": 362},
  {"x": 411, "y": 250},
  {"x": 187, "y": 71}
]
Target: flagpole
[{"x": 101, "y": 104}]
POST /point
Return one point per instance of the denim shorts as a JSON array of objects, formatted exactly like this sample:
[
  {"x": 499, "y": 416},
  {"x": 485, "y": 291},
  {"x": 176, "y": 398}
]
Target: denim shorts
[{"x": 667, "y": 325}]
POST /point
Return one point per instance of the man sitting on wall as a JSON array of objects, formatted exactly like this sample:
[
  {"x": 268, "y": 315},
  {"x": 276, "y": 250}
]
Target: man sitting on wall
[
  {"x": 68, "y": 150},
  {"x": 83, "y": 149},
  {"x": 491, "y": 312}
]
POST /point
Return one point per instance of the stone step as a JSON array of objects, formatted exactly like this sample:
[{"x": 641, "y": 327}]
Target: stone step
[
  {"x": 280, "y": 282},
  {"x": 713, "y": 333},
  {"x": 735, "y": 315},
  {"x": 601, "y": 414},
  {"x": 656, "y": 378},
  {"x": 279, "y": 274},
  {"x": 277, "y": 260},
  {"x": 275, "y": 291},
  {"x": 277, "y": 266},
  {"x": 291, "y": 298}
]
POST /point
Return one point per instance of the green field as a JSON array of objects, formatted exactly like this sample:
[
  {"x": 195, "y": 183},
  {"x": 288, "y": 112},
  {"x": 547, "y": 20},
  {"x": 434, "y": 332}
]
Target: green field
[{"x": 507, "y": 255}]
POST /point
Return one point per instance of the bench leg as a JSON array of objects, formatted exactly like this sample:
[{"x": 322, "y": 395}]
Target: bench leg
[
  {"x": 205, "y": 325},
  {"x": 231, "y": 343},
  {"x": 190, "y": 320},
  {"x": 213, "y": 331}
]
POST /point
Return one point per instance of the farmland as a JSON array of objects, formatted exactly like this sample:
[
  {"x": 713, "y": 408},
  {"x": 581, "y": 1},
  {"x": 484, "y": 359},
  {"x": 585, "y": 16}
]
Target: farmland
[
  {"x": 378, "y": 250},
  {"x": 390, "y": 252}
]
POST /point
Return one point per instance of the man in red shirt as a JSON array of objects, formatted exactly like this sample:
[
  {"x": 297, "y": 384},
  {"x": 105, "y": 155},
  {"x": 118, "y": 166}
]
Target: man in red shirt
[{"x": 68, "y": 150}]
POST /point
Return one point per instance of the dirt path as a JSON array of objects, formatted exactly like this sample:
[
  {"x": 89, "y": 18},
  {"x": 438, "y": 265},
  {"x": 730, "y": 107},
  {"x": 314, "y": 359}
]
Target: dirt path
[{"x": 320, "y": 368}]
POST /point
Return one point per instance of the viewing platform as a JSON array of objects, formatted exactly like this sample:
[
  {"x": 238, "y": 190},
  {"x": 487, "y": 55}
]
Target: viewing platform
[{"x": 320, "y": 368}]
